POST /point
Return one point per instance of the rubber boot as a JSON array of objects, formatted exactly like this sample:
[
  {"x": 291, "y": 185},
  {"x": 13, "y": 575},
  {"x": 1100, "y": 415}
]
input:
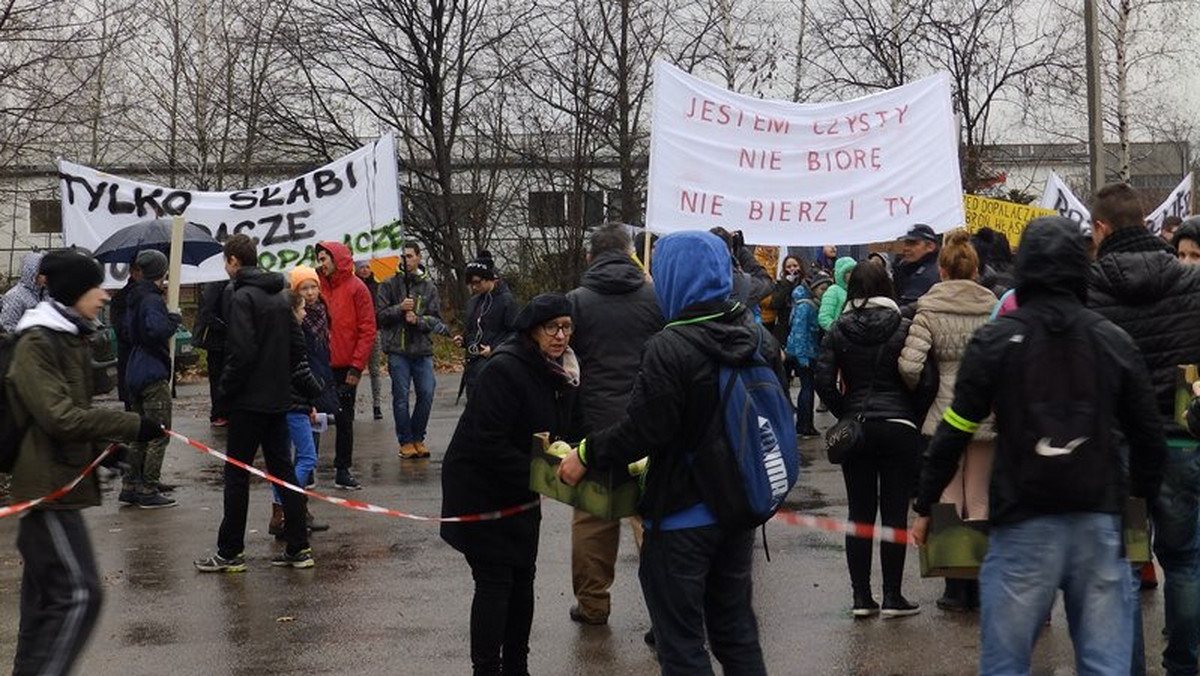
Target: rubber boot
[{"x": 276, "y": 526}]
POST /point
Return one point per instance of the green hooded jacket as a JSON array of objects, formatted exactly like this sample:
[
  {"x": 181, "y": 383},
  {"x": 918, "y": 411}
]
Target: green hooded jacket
[{"x": 835, "y": 296}]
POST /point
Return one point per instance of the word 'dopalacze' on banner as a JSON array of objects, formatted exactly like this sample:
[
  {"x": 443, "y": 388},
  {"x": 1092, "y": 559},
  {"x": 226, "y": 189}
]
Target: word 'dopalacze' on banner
[
  {"x": 798, "y": 174},
  {"x": 354, "y": 200},
  {"x": 1006, "y": 218}
]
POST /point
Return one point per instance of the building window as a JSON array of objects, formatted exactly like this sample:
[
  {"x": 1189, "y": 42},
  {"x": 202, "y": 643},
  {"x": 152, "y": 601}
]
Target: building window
[{"x": 45, "y": 217}]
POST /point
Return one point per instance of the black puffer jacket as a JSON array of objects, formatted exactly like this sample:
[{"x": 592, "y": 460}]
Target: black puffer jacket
[
  {"x": 864, "y": 345},
  {"x": 1137, "y": 283},
  {"x": 259, "y": 357},
  {"x": 1051, "y": 283},
  {"x": 615, "y": 312}
]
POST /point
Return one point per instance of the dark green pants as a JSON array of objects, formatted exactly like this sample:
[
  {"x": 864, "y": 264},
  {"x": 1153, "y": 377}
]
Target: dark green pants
[{"x": 146, "y": 458}]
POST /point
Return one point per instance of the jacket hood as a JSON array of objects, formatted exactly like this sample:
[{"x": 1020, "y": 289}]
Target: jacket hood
[
  {"x": 271, "y": 282},
  {"x": 871, "y": 321},
  {"x": 29, "y": 270},
  {"x": 51, "y": 315},
  {"x": 800, "y": 292},
  {"x": 343, "y": 260},
  {"x": 1051, "y": 260},
  {"x": 691, "y": 268},
  {"x": 958, "y": 296},
  {"x": 841, "y": 270},
  {"x": 1135, "y": 267},
  {"x": 613, "y": 273},
  {"x": 732, "y": 337}
]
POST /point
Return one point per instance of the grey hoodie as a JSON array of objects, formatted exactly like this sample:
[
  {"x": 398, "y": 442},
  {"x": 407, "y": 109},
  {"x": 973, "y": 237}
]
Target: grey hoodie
[{"x": 24, "y": 295}]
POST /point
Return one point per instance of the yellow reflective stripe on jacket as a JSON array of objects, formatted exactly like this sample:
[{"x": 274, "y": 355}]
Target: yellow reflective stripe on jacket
[{"x": 960, "y": 423}]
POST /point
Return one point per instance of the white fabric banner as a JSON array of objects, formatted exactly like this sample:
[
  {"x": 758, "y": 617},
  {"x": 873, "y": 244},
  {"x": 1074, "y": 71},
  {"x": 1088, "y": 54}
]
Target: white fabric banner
[
  {"x": 797, "y": 174},
  {"x": 355, "y": 200},
  {"x": 1178, "y": 203},
  {"x": 1058, "y": 197}
]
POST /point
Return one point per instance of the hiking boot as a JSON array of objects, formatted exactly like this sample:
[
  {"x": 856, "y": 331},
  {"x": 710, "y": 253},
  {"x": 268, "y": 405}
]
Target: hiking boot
[
  {"x": 219, "y": 564},
  {"x": 154, "y": 500},
  {"x": 315, "y": 526},
  {"x": 895, "y": 605},
  {"x": 128, "y": 496},
  {"x": 422, "y": 452},
  {"x": 301, "y": 559},
  {"x": 864, "y": 605},
  {"x": 409, "y": 451},
  {"x": 377, "y": 413},
  {"x": 577, "y": 615},
  {"x": 346, "y": 481},
  {"x": 275, "y": 525}
]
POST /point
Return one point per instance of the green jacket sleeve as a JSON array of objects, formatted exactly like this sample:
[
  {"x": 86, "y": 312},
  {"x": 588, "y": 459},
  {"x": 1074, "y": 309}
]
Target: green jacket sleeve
[{"x": 831, "y": 303}]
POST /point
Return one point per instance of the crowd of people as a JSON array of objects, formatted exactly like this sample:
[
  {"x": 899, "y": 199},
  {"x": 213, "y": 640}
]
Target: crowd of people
[{"x": 936, "y": 363}]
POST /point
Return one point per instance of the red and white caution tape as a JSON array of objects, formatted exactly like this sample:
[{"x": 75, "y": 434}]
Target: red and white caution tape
[
  {"x": 29, "y": 504},
  {"x": 867, "y": 531},
  {"x": 355, "y": 504}
]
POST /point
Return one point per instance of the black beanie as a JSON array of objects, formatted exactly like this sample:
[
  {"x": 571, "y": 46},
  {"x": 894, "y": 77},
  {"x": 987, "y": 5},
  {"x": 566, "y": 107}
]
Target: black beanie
[
  {"x": 152, "y": 263},
  {"x": 483, "y": 267},
  {"x": 542, "y": 309},
  {"x": 70, "y": 274}
]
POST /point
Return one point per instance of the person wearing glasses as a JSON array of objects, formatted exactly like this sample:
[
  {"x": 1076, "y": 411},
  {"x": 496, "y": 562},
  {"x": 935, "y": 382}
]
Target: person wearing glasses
[
  {"x": 526, "y": 387},
  {"x": 489, "y": 319},
  {"x": 409, "y": 313}
]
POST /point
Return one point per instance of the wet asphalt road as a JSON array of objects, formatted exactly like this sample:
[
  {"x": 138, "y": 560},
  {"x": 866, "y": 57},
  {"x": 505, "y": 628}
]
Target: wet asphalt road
[{"x": 388, "y": 597}]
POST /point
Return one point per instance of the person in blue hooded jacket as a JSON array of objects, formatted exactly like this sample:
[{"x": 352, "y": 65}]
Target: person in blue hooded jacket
[{"x": 695, "y": 572}]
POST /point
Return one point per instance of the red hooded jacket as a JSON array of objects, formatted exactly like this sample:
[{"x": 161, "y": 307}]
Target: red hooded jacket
[{"x": 351, "y": 311}]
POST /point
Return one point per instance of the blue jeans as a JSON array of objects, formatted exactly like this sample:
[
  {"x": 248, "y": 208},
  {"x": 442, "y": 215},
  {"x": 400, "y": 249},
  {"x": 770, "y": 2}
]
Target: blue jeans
[
  {"x": 304, "y": 450},
  {"x": 420, "y": 371},
  {"x": 1081, "y": 553},
  {"x": 1175, "y": 545}
]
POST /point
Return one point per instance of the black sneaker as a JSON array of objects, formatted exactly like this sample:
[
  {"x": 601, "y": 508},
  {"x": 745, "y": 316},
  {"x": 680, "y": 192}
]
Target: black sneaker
[
  {"x": 219, "y": 564},
  {"x": 346, "y": 481},
  {"x": 377, "y": 413},
  {"x": 154, "y": 501},
  {"x": 301, "y": 559},
  {"x": 128, "y": 497},
  {"x": 165, "y": 488},
  {"x": 864, "y": 606},
  {"x": 895, "y": 605}
]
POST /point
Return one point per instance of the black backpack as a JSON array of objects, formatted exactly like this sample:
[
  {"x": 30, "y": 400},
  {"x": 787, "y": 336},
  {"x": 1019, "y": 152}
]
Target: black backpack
[
  {"x": 12, "y": 433},
  {"x": 1057, "y": 415}
]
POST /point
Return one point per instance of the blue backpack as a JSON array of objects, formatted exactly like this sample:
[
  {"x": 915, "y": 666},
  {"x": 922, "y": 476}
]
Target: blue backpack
[{"x": 745, "y": 480}]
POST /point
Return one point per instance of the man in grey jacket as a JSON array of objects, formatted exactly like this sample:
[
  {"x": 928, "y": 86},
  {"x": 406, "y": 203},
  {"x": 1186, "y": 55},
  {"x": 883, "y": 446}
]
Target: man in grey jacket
[{"x": 408, "y": 313}]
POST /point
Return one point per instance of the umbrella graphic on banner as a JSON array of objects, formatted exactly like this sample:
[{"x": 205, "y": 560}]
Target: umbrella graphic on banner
[{"x": 123, "y": 245}]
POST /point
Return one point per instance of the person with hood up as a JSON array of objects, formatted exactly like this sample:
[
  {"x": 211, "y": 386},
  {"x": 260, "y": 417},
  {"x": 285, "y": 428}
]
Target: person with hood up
[
  {"x": 1186, "y": 241},
  {"x": 946, "y": 319},
  {"x": 834, "y": 299},
  {"x": 915, "y": 271},
  {"x": 25, "y": 294},
  {"x": 615, "y": 312},
  {"x": 695, "y": 573},
  {"x": 409, "y": 314},
  {"x": 1055, "y": 510},
  {"x": 351, "y": 339},
  {"x": 863, "y": 348},
  {"x": 49, "y": 394},
  {"x": 1138, "y": 283},
  {"x": 362, "y": 268},
  {"x": 489, "y": 320},
  {"x": 526, "y": 387},
  {"x": 150, "y": 327}
]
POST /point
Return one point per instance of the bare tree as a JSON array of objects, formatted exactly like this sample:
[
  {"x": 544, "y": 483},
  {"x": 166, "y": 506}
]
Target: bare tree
[{"x": 867, "y": 45}]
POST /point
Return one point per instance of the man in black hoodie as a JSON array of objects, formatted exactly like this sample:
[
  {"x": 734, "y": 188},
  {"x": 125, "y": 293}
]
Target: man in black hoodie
[
  {"x": 259, "y": 362},
  {"x": 615, "y": 312},
  {"x": 1137, "y": 283},
  {"x": 1060, "y": 478}
]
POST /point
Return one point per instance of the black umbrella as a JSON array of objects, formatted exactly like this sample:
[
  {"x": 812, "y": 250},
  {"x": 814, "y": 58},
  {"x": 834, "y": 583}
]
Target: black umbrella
[{"x": 123, "y": 245}]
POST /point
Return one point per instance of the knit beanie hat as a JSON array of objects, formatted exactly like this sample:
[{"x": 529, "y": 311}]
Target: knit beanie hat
[
  {"x": 70, "y": 274},
  {"x": 483, "y": 267},
  {"x": 300, "y": 274},
  {"x": 542, "y": 309},
  {"x": 152, "y": 263}
]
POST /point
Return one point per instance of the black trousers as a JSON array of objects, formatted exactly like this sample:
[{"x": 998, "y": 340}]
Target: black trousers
[
  {"x": 881, "y": 480},
  {"x": 501, "y": 618},
  {"x": 216, "y": 366},
  {"x": 344, "y": 420},
  {"x": 60, "y": 592},
  {"x": 247, "y": 431},
  {"x": 699, "y": 579}
]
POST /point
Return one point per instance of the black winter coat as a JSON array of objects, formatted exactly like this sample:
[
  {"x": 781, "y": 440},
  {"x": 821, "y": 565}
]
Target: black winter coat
[
  {"x": 258, "y": 355},
  {"x": 490, "y": 318},
  {"x": 487, "y": 463},
  {"x": 1138, "y": 284},
  {"x": 674, "y": 402},
  {"x": 614, "y": 312},
  {"x": 306, "y": 389},
  {"x": 913, "y": 280},
  {"x": 864, "y": 345},
  {"x": 209, "y": 330}
]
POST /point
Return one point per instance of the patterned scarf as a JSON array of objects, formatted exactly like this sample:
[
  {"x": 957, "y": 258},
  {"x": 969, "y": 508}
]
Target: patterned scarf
[
  {"x": 566, "y": 368},
  {"x": 316, "y": 323}
]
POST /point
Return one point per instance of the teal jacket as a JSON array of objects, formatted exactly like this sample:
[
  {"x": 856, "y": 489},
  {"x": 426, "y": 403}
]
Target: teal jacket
[{"x": 835, "y": 296}]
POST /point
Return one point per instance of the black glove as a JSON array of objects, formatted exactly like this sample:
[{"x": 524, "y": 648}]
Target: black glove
[{"x": 148, "y": 430}]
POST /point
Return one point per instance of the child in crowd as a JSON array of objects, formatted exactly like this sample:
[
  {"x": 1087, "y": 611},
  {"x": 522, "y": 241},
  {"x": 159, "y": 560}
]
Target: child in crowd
[{"x": 802, "y": 342}]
